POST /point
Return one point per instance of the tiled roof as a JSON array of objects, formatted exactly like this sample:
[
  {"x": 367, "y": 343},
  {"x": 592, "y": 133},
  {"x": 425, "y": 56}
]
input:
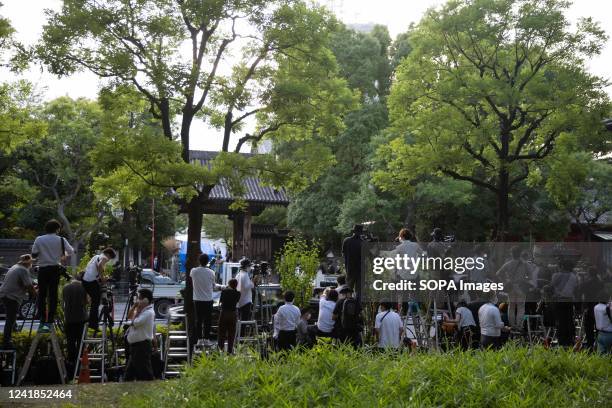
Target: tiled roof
[{"x": 254, "y": 190}]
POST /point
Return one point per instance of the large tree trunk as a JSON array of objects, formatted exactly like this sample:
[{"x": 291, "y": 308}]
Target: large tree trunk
[
  {"x": 194, "y": 233},
  {"x": 503, "y": 215}
]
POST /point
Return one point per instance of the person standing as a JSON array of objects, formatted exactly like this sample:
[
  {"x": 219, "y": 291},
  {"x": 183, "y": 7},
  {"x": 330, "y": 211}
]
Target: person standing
[
  {"x": 325, "y": 321},
  {"x": 245, "y": 287},
  {"x": 491, "y": 324},
  {"x": 388, "y": 326},
  {"x": 50, "y": 250},
  {"x": 204, "y": 285},
  {"x": 17, "y": 283},
  {"x": 351, "y": 250},
  {"x": 74, "y": 300},
  {"x": 228, "y": 316},
  {"x": 286, "y": 321},
  {"x": 564, "y": 283},
  {"x": 140, "y": 338},
  {"x": 348, "y": 315},
  {"x": 603, "y": 323},
  {"x": 517, "y": 275},
  {"x": 92, "y": 278}
]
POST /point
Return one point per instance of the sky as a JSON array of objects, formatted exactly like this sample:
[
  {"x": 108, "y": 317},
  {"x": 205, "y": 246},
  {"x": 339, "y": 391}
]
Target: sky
[{"x": 27, "y": 17}]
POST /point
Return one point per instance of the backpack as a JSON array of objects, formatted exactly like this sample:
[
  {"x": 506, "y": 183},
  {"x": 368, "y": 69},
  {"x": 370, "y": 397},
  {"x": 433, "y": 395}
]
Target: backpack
[{"x": 350, "y": 318}]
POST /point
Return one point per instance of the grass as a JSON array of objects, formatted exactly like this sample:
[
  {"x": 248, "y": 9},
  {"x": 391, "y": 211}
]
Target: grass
[{"x": 326, "y": 376}]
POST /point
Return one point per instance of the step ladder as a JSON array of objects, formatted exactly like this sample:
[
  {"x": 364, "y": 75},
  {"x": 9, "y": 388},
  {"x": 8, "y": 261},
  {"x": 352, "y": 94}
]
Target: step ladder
[
  {"x": 98, "y": 350},
  {"x": 247, "y": 333},
  {"x": 176, "y": 353},
  {"x": 536, "y": 333},
  {"x": 8, "y": 363},
  {"x": 57, "y": 351}
]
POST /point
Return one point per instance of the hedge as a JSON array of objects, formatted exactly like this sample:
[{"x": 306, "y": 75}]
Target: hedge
[{"x": 328, "y": 376}]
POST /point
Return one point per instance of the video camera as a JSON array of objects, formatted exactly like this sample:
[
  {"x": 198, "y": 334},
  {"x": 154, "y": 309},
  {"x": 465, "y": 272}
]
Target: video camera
[{"x": 261, "y": 268}]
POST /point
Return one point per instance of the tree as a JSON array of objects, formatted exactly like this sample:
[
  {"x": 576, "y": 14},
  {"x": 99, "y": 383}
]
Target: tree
[
  {"x": 60, "y": 167},
  {"x": 284, "y": 77},
  {"x": 218, "y": 227},
  {"x": 486, "y": 91}
]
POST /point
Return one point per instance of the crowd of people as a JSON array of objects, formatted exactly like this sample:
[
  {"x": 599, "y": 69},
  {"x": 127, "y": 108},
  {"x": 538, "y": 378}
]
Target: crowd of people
[{"x": 485, "y": 322}]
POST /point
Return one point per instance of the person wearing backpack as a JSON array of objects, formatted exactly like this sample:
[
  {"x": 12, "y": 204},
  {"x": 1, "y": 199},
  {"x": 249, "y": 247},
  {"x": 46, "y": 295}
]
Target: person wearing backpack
[
  {"x": 388, "y": 326},
  {"x": 347, "y": 314}
]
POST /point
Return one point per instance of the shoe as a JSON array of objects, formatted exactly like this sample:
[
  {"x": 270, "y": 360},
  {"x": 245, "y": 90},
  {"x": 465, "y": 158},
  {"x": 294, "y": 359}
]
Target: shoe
[{"x": 44, "y": 328}]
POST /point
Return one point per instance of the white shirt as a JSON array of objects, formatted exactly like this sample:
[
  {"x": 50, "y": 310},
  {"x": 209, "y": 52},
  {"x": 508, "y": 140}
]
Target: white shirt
[
  {"x": 245, "y": 284},
  {"x": 490, "y": 320},
  {"x": 325, "y": 323},
  {"x": 143, "y": 326},
  {"x": 91, "y": 270},
  {"x": 466, "y": 317},
  {"x": 48, "y": 248},
  {"x": 389, "y": 326},
  {"x": 203, "y": 283},
  {"x": 602, "y": 321},
  {"x": 287, "y": 318},
  {"x": 412, "y": 250}
]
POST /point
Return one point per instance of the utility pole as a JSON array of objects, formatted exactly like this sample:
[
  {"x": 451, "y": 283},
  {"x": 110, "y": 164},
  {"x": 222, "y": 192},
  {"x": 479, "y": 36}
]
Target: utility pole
[{"x": 153, "y": 234}]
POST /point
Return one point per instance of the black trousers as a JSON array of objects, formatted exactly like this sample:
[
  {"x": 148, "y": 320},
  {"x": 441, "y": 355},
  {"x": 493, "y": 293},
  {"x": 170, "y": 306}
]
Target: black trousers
[
  {"x": 11, "y": 306},
  {"x": 564, "y": 313},
  {"x": 490, "y": 342},
  {"x": 93, "y": 290},
  {"x": 245, "y": 311},
  {"x": 286, "y": 339},
  {"x": 203, "y": 317},
  {"x": 48, "y": 280},
  {"x": 139, "y": 363},
  {"x": 74, "y": 332}
]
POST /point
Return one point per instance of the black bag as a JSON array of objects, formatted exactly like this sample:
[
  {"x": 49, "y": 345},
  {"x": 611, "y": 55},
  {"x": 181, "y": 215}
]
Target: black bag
[{"x": 350, "y": 314}]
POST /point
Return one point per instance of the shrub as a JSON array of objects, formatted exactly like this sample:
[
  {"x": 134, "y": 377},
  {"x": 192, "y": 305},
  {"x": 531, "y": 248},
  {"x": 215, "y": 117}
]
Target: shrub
[
  {"x": 327, "y": 376},
  {"x": 298, "y": 252}
]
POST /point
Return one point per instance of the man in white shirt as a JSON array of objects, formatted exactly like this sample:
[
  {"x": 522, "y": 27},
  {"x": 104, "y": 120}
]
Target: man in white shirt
[
  {"x": 466, "y": 324},
  {"x": 92, "y": 278},
  {"x": 140, "y": 338},
  {"x": 603, "y": 323},
  {"x": 204, "y": 285},
  {"x": 245, "y": 287},
  {"x": 491, "y": 325},
  {"x": 286, "y": 320},
  {"x": 325, "y": 321},
  {"x": 50, "y": 250},
  {"x": 388, "y": 326}
]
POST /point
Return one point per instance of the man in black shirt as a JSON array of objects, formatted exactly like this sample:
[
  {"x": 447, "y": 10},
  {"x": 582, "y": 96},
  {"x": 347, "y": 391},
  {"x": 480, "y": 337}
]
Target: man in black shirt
[
  {"x": 74, "y": 301},
  {"x": 351, "y": 249},
  {"x": 228, "y": 316},
  {"x": 347, "y": 315}
]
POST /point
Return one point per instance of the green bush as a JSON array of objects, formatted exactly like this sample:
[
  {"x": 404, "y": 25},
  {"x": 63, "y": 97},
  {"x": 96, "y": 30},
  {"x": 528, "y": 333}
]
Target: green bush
[
  {"x": 327, "y": 376},
  {"x": 298, "y": 252}
]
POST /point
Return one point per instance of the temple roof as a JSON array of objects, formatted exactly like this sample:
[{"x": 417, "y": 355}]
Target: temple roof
[{"x": 255, "y": 193}]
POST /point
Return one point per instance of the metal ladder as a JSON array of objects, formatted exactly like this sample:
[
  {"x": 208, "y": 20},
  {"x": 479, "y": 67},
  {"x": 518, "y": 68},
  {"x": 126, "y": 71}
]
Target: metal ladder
[
  {"x": 177, "y": 350},
  {"x": 98, "y": 352},
  {"x": 249, "y": 336},
  {"x": 8, "y": 363},
  {"x": 57, "y": 351},
  {"x": 538, "y": 333}
]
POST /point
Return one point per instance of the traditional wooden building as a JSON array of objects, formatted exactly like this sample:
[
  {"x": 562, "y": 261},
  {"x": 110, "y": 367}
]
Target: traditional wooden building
[{"x": 250, "y": 240}]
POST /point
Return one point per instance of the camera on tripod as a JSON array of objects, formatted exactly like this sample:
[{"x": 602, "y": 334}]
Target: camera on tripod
[
  {"x": 261, "y": 268},
  {"x": 106, "y": 292}
]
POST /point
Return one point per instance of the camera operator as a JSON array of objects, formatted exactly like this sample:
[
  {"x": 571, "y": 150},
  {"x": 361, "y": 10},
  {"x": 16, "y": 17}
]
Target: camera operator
[
  {"x": 12, "y": 292},
  {"x": 351, "y": 250},
  {"x": 91, "y": 282},
  {"x": 50, "y": 250},
  {"x": 245, "y": 287},
  {"x": 140, "y": 338}
]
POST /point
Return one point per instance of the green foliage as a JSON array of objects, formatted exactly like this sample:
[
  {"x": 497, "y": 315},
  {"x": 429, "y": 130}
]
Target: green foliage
[
  {"x": 217, "y": 226},
  {"x": 486, "y": 91},
  {"x": 273, "y": 215},
  {"x": 297, "y": 252},
  {"x": 17, "y": 122},
  {"x": 332, "y": 377}
]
